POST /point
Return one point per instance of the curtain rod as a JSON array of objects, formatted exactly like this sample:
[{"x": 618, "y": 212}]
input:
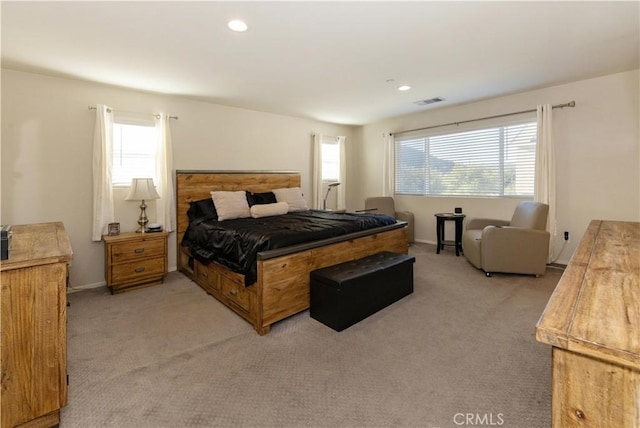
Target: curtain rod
[
  {"x": 157, "y": 116},
  {"x": 569, "y": 104}
]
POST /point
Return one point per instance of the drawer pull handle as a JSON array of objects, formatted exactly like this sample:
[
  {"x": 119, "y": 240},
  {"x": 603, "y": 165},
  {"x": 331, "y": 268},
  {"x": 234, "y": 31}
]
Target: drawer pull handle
[
  {"x": 139, "y": 250},
  {"x": 140, "y": 269},
  {"x": 204, "y": 274},
  {"x": 233, "y": 292}
]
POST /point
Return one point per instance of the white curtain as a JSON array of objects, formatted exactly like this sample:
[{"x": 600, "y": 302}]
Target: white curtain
[
  {"x": 342, "y": 188},
  {"x": 317, "y": 172},
  {"x": 388, "y": 166},
  {"x": 545, "y": 181},
  {"x": 102, "y": 162},
  {"x": 165, "y": 207}
]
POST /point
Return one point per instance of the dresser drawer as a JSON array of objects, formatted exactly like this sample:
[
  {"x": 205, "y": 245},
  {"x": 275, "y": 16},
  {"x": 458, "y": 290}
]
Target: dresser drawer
[
  {"x": 236, "y": 294},
  {"x": 135, "y": 250},
  {"x": 137, "y": 270}
]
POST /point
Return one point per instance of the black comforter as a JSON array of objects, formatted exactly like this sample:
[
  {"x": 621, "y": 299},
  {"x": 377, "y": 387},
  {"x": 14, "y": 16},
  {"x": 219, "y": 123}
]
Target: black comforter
[{"x": 236, "y": 243}]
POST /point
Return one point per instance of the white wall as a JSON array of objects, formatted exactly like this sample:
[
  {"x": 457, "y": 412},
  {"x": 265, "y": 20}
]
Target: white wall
[
  {"x": 597, "y": 150},
  {"x": 47, "y": 135}
]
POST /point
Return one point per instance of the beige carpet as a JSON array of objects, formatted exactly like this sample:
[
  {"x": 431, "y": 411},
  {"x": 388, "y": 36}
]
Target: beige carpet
[{"x": 172, "y": 356}]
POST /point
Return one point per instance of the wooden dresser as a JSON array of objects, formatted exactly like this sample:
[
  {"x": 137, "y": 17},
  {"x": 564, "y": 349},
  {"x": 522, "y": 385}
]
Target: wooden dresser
[
  {"x": 34, "y": 325},
  {"x": 135, "y": 260},
  {"x": 592, "y": 320}
]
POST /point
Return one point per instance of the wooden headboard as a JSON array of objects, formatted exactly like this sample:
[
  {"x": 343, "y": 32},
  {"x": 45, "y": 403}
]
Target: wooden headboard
[{"x": 196, "y": 185}]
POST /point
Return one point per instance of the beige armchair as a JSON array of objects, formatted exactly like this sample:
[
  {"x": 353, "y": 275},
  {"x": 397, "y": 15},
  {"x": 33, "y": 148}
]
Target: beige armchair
[
  {"x": 386, "y": 205},
  {"x": 517, "y": 246}
]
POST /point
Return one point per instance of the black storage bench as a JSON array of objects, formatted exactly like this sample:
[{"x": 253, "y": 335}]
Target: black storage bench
[{"x": 344, "y": 294}]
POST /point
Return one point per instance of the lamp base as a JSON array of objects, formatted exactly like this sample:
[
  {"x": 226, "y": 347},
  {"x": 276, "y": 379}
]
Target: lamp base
[{"x": 142, "y": 220}]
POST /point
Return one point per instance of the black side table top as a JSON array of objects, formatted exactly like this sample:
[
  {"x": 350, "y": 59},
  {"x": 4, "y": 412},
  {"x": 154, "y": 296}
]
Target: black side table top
[{"x": 450, "y": 216}]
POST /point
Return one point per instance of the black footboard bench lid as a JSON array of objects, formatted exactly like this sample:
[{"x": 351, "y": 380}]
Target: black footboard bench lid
[
  {"x": 347, "y": 293},
  {"x": 344, "y": 272}
]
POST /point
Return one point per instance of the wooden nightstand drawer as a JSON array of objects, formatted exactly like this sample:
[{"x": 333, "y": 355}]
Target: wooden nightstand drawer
[
  {"x": 127, "y": 251},
  {"x": 137, "y": 270}
]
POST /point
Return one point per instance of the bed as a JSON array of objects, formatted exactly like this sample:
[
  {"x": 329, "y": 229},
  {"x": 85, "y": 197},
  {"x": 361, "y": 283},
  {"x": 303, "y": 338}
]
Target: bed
[{"x": 281, "y": 286}]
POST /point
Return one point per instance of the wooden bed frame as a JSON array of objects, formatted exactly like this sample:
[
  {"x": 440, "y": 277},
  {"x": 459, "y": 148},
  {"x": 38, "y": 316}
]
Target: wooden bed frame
[{"x": 282, "y": 286}]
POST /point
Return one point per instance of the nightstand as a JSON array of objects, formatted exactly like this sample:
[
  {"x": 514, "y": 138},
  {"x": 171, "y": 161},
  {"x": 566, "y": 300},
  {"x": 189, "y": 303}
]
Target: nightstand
[{"x": 135, "y": 260}]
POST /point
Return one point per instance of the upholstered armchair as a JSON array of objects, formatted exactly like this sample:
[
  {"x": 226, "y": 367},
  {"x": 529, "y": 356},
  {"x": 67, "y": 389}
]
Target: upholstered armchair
[
  {"x": 386, "y": 205},
  {"x": 517, "y": 246}
]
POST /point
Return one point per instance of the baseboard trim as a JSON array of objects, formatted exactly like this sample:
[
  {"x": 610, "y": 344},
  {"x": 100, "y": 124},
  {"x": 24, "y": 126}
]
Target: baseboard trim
[
  {"x": 556, "y": 265},
  {"x": 424, "y": 241},
  {"x": 77, "y": 288}
]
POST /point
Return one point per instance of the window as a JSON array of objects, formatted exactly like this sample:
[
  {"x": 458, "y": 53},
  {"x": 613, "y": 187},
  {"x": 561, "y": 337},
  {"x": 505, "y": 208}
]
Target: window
[
  {"x": 134, "y": 153},
  {"x": 330, "y": 160},
  {"x": 497, "y": 161}
]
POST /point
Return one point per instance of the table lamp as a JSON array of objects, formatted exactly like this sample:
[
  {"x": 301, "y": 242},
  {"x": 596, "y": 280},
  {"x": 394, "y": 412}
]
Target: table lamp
[
  {"x": 329, "y": 187},
  {"x": 142, "y": 189}
]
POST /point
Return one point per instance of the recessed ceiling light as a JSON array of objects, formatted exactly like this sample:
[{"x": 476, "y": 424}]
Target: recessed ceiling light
[
  {"x": 404, "y": 88},
  {"x": 236, "y": 25}
]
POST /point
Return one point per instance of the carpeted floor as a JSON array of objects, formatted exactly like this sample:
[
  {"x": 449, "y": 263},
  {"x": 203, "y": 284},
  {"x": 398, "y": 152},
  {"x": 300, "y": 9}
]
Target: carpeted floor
[{"x": 459, "y": 351}]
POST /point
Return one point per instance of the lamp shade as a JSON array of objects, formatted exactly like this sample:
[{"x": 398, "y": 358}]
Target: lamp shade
[{"x": 142, "y": 189}]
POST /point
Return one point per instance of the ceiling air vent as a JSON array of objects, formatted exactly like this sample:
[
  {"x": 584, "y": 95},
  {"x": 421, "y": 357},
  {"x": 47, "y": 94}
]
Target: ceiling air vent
[{"x": 429, "y": 101}]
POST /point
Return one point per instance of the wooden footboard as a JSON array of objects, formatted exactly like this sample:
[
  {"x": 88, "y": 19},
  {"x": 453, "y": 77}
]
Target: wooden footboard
[{"x": 282, "y": 286}]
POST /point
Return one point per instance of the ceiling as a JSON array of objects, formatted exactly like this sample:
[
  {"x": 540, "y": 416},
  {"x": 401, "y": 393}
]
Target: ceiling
[{"x": 332, "y": 61}]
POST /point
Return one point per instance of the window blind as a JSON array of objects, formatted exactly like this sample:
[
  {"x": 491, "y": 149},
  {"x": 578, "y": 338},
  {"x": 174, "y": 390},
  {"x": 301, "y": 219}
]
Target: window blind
[
  {"x": 495, "y": 161},
  {"x": 134, "y": 151}
]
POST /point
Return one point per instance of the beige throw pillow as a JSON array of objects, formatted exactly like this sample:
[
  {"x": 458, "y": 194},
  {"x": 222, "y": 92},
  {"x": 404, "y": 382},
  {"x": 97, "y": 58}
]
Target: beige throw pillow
[
  {"x": 293, "y": 197},
  {"x": 268, "y": 210},
  {"x": 230, "y": 205}
]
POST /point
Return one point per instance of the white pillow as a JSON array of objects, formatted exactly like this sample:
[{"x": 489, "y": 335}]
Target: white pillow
[
  {"x": 293, "y": 197},
  {"x": 267, "y": 210},
  {"x": 230, "y": 205}
]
